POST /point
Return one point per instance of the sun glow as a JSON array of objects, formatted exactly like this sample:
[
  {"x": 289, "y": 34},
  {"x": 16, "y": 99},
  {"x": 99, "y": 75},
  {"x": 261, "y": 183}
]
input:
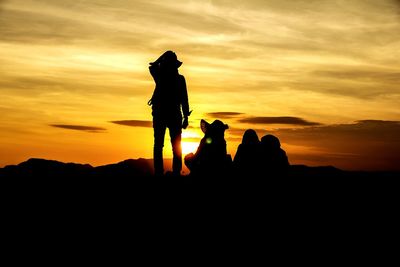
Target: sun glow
[
  {"x": 188, "y": 147},
  {"x": 190, "y": 134},
  {"x": 189, "y": 141}
]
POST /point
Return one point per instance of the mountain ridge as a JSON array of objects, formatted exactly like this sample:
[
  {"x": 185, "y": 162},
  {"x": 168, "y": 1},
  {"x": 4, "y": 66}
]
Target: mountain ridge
[{"x": 141, "y": 167}]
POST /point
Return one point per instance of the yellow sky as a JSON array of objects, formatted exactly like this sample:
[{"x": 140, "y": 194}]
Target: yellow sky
[{"x": 321, "y": 75}]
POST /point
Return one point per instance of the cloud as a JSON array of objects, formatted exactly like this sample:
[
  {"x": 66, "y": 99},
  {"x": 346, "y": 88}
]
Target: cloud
[
  {"x": 359, "y": 74},
  {"x": 364, "y": 144},
  {"x": 22, "y": 26},
  {"x": 61, "y": 82},
  {"x": 378, "y": 122},
  {"x": 134, "y": 123},
  {"x": 345, "y": 81},
  {"x": 84, "y": 128},
  {"x": 224, "y": 115},
  {"x": 297, "y": 40},
  {"x": 362, "y": 133},
  {"x": 50, "y": 22},
  {"x": 278, "y": 120}
]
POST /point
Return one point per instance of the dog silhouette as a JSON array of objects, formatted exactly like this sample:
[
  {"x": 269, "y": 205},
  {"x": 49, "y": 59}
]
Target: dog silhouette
[{"x": 211, "y": 157}]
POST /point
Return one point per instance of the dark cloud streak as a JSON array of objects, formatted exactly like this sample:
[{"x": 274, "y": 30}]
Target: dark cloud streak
[
  {"x": 362, "y": 145},
  {"x": 84, "y": 128},
  {"x": 278, "y": 120},
  {"x": 224, "y": 115},
  {"x": 134, "y": 123}
]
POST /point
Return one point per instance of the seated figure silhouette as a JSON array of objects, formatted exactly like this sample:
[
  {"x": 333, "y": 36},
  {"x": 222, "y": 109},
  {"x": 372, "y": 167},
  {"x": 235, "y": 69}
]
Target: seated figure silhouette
[
  {"x": 247, "y": 160},
  {"x": 273, "y": 158},
  {"x": 211, "y": 157}
]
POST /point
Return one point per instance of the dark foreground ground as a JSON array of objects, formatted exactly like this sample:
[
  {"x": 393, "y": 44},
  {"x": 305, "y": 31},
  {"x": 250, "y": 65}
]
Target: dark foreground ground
[
  {"x": 128, "y": 192},
  {"x": 319, "y": 212}
]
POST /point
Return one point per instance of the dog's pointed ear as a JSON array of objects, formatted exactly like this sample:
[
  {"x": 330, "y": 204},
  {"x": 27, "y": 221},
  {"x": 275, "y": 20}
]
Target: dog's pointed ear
[{"x": 204, "y": 126}]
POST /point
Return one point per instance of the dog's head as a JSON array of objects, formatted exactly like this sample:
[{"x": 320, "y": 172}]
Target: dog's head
[{"x": 214, "y": 130}]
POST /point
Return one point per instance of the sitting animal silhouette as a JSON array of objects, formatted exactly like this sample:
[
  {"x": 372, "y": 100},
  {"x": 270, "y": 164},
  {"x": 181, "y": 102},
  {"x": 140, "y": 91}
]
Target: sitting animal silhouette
[
  {"x": 273, "y": 158},
  {"x": 211, "y": 156},
  {"x": 247, "y": 157}
]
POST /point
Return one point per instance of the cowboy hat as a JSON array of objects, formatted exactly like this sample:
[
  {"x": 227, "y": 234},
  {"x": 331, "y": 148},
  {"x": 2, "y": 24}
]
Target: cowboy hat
[{"x": 168, "y": 57}]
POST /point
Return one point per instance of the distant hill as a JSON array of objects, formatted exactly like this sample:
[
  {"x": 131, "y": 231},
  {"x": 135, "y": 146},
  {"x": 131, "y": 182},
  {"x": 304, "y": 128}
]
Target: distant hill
[
  {"x": 55, "y": 169},
  {"x": 143, "y": 168}
]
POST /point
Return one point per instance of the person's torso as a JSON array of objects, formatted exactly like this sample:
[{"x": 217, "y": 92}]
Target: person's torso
[{"x": 168, "y": 94}]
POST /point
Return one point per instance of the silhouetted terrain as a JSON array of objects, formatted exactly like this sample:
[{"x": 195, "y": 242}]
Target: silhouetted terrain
[
  {"x": 142, "y": 170},
  {"x": 129, "y": 188},
  {"x": 37, "y": 168}
]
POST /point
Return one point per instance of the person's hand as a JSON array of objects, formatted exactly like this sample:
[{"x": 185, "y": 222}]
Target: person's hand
[{"x": 185, "y": 123}]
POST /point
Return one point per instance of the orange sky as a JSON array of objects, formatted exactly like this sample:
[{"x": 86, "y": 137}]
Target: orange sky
[{"x": 322, "y": 75}]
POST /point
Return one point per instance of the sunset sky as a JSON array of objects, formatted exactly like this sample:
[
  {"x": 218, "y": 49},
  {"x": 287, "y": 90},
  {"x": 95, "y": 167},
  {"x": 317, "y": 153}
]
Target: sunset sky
[{"x": 322, "y": 75}]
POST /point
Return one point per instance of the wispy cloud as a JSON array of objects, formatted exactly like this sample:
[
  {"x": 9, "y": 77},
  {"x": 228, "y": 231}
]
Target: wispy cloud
[
  {"x": 379, "y": 122},
  {"x": 84, "y": 128},
  {"x": 362, "y": 145},
  {"x": 223, "y": 114},
  {"x": 372, "y": 75},
  {"x": 134, "y": 123},
  {"x": 344, "y": 80},
  {"x": 371, "y": 144},
  {"x": 278, "y": 120}
]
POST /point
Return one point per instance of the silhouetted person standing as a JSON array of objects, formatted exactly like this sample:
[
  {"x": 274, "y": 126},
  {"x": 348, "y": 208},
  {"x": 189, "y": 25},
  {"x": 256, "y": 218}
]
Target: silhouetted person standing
[
  {"x": 247, "y": 160},
  {"x": 169, "y": 101}
]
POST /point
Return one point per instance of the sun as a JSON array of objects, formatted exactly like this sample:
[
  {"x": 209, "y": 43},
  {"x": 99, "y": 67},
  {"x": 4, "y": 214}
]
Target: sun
[
  {"x": 188, "y": 147},
  {"x": 190, "y": 141}
]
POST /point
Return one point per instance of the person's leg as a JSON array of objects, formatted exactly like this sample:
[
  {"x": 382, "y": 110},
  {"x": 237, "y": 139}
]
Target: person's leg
[
  {"x": 175, "y": 132},
  {"x": 159, "y": 133}
]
